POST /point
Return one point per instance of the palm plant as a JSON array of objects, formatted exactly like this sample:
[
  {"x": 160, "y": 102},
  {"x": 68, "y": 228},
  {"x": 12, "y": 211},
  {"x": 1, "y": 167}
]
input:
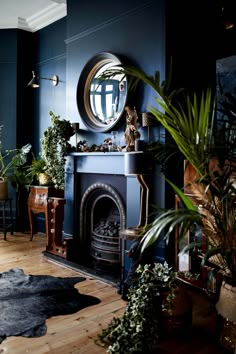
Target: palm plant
[
  {"x": 188, "y": 118},
  {"x": 201, "y": 136},
  {"x": 214, "y": 210}
]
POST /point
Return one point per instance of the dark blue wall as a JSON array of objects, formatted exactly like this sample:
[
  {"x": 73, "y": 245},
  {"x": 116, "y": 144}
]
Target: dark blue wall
[
  {"x": 8, "y": 87},
  {"x": 15, "y": 101},
  {"x": 49, "y": 60},
  {"x": 146, "y": 33},
  {"x": 134, "y": 30}
]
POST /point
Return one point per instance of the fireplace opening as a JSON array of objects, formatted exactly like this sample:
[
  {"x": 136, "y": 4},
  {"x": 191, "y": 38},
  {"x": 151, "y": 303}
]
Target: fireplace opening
[
  {"x": 105, "y": 242},
  {"x": 102, "y": 216}
]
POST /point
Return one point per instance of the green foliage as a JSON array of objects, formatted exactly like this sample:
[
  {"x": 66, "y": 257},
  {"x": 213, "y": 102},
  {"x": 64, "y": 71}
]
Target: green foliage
[
  {"x": 202, "y": 135},
  {"x": 189, "y": 124},
  {"x": 37, "y": 166},
  {"x": 188, "y": 117},
  {"x": 139, "y": 328},
  {"x": 55, "y": 146},
  {"x": 167, "y": 220},
  {"x": 11, "y": 160}
]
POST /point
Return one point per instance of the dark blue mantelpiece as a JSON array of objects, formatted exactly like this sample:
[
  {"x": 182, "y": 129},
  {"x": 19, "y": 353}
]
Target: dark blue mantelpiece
[
  {"x": 83, "y": 169},
  {"x": 98, "y": 171},
  {"x": 97, "y": 162}
]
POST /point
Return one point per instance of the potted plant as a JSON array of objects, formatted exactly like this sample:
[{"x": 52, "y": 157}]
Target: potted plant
[
  {"x": 206, "y": 140},
  {"x": 55, "y": 146},
  {"x": 154, "y": 291},
  {"x": 10, "y": 161},
  {"x": 36, "y": 172}
]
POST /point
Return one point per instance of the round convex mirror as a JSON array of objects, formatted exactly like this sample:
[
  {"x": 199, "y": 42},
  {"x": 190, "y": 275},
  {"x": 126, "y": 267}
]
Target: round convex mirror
[{"x": 101, "y": 101}]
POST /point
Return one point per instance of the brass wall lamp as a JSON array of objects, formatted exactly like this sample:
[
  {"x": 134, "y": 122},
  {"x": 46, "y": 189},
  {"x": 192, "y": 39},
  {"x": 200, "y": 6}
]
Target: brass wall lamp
[{"x": 34, "y": 82}]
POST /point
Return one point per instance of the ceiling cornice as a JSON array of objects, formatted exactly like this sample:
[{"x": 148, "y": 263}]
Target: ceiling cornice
[{"x": 56, "y": 10}]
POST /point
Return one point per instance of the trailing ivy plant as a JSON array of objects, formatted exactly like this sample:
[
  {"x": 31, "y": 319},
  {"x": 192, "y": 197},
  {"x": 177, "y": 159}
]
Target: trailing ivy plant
[
  {"x": 55, "y": 146},
  {"x": 139, "y": 328}
]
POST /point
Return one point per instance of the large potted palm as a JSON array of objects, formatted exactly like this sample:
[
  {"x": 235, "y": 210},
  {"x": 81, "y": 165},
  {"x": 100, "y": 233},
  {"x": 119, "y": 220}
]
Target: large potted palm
[{"x": 206, "y": 140}]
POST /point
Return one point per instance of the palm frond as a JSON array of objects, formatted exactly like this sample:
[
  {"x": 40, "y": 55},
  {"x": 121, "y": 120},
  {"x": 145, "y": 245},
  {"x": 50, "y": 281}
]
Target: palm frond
[{"x": 165, "y": 223}]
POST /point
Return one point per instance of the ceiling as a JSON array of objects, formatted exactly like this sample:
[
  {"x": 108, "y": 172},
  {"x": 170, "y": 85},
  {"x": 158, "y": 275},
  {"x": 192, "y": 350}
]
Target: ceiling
[{"x": 30, "y": 15}]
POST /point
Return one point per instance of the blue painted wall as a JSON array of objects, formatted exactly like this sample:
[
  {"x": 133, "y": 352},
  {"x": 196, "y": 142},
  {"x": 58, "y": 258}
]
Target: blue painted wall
[
  {"x": 134, "y": 30},
  {"x": 145, "y": 32},
  {"x": 49, "y": 59},
  {"x": 8, "y": 87}
]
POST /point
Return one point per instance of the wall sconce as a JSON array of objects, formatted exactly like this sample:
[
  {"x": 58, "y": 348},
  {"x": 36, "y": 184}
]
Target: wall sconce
[{"x": 34, "y": 82}]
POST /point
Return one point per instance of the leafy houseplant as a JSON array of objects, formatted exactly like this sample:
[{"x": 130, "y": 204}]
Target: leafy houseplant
[
  {"x": 141, "y": 325},
  {"x": 212, "y": 190},
  {"x": 55, "y": 146},
  {"x": 36, "y": 172},
  {"x": 11, "y": 159},
  {"x": 10, "y": 162},
  {"x": 207, "y": 142}
]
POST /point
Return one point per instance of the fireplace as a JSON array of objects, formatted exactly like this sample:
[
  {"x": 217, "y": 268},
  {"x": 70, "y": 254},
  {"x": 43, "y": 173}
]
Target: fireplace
[
  {"x": 102, "y": 216},
  {"x": 101, "y": 202}
]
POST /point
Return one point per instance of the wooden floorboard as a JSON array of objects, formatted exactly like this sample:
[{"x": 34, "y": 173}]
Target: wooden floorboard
[
  {"x": 69, "y": 334},
  {"x": 75, "y": 334}
]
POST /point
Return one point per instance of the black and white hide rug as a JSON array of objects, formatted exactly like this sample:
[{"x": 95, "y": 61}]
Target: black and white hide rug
[{"x": 26, "y": 301}]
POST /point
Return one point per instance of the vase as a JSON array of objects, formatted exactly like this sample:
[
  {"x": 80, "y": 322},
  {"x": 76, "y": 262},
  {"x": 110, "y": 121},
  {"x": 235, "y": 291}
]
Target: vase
[
  {"x": 3, "y": 188},
  {"x": 44, "y": 179},
  {"x": 226, "y": 308}
]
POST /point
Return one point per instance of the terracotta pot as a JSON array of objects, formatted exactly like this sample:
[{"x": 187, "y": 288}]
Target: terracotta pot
[{"x": 3, "y": 188}]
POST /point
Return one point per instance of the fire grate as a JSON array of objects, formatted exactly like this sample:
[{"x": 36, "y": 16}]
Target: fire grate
[{"x": 105, "y": 244}]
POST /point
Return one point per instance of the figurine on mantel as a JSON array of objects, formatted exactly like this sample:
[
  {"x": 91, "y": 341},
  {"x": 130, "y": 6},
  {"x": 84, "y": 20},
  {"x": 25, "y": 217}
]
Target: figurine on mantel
[{"x": 131, "y": 131}]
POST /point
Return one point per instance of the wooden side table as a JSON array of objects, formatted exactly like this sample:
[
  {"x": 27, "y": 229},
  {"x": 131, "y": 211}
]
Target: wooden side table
[
  {"x": 38, "y": 203},
  {"x": 5, "y": 226}
]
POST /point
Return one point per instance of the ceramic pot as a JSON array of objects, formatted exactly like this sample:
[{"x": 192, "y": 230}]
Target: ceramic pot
[{"x": 44, "y": 179}]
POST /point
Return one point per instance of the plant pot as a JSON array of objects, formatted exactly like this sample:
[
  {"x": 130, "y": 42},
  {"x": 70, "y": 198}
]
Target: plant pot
[
  {"x": 44, "y": 179},
  {"x": 3, "y": 188},
  {"x": 178, "y": 317},
  {"x": 226, "y": 308}
]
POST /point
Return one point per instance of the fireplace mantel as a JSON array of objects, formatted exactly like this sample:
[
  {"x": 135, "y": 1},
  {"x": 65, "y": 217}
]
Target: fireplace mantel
[
  {"x": 104, "y": 166},
  {"x": 103, "y": 162},
  {"x": 95, "y": 180}
]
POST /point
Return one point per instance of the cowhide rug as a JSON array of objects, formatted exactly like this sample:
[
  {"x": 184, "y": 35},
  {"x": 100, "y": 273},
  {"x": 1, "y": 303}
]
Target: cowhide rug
[{"x": 26, "y": 301}]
